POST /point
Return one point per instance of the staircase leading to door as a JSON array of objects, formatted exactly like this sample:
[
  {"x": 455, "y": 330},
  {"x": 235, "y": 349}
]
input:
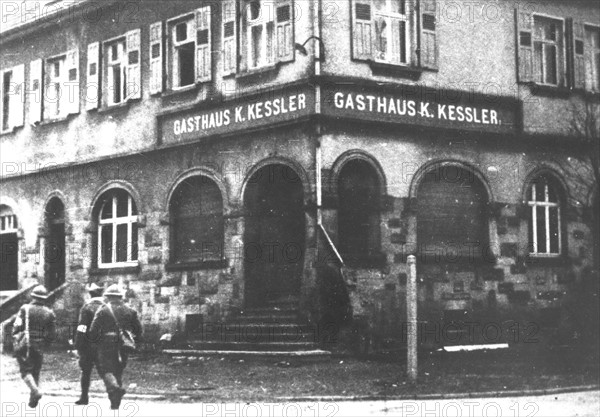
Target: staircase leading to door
[{"x": 274, "y": 327}]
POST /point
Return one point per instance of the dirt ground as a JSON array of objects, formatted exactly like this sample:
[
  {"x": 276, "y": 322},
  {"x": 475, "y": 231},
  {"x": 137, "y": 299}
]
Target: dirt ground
[{"x": 214, "y": 378}]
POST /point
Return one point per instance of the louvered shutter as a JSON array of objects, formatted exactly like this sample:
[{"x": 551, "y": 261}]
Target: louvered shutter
[
  {"x": 284, "y": 19},
  {"x": 578, "y": 55},
  {"x": 524, "y": 35},
  {"x": 203, "y": 45},
  {"x": 362, "y": 24},
  {"x": 70, "y": 93},
  {"x": 17, "y": 96},
  {"x": 92, "y": 88},
  {"x": 428, "y": 45},
  {"x": 133, "y": 89},
  {"x": 229, "y": 37},
  {"x": 156, "y": 58},
  {"x": 35, "y": 91}
]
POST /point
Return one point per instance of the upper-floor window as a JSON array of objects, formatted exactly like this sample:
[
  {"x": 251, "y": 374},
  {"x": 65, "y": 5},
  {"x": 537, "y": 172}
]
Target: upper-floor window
[
  {"x": 260, "y": 29},
  {"x": 190, "y": 52},
  {"x": 11, "y": 105},
  {"x": 548, "y": 51},
  {"x": 117, "y": 230},
  {"x": 395, "y": 32},
  {"x": 544, "y": 217},
  {"x": 122, "y": 70},
  {"x": 391, "y": 30}
]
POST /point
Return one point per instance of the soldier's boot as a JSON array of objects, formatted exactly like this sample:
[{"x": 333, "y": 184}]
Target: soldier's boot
[
  {"x": 34, "y": 396},
  {"x": 85, "y": 388},
  {"x": 115, "y": 392}
]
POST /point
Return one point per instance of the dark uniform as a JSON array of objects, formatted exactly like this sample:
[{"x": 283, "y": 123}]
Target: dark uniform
[
  {"x": 84, "y": 343},
  {"x": 111, "y": 360},
  {"x": 42, "y": 331}
]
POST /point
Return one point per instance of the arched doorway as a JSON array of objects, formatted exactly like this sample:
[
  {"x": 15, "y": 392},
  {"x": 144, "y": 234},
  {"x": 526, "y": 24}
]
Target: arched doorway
[
  {"x": 9, "y": 244},
  {"x": 359, "y": 193},
  {"x": 452, "y": 224},
  {"x": 54, "y": 250},
  {"x": 274, "y": 238}
]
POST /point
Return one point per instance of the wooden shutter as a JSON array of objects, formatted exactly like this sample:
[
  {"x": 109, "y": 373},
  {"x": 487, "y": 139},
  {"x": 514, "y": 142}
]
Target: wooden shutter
[
  {"x": 35, "y": 91},
  {"x": 203, "y": 45},
  {"x": 284, "y": 18},
  {"x": 229, "y": 36},
  {"x": 428, "y": 45},
  {"x": 70, "y": 93},
  {"x": 156, "y": 58},
  {"x": 362, "y": 26},
  {"x": 524, "y": 39},
  {"x": 17, "y": 96},
  {"x": 578, "y": 54},
  {"x": 92, "y": 88},
  {"x": 133, "y": 89}
]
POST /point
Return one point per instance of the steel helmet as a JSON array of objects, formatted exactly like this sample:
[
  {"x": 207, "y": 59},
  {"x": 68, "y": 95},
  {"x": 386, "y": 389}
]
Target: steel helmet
[
  {"x": 114, "y": 291},
  {"x": 39, "y": 292}
]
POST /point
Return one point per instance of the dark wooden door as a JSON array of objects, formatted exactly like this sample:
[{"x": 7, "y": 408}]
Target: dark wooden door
[
  {"x": 55, "y": 256},
  {"x": 9, "y": 262},
  {"x": 274, "y": 235}
]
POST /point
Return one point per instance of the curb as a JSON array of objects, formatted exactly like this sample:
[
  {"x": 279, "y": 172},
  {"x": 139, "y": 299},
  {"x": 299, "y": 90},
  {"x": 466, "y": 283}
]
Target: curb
[
  {"x": 454, "y": 396},
  {"x": 339, "y": 398}
]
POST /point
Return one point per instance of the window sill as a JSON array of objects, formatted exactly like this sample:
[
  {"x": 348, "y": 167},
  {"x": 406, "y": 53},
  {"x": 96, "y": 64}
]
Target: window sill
[
  {"x": 257, "y": 72},
  {"x": 133, "y": 269},
  {"x": 204, "y": 265},
  {"x": 180, "y": 91},
  {"x": 11, "y": 130},
  {"x": 117, "y": 107},
  {"x": 548, "y": 90},
  {"x": 58, "y": 120},
  {"x": 396, "y": 70}
]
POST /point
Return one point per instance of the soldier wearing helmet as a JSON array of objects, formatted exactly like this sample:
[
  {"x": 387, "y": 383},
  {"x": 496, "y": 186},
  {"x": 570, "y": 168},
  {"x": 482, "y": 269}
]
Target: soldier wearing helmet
[
  {"x": 112, "y": 360},
  {"x": 86, "y": 349},
  {"x": 37, "y": 323}
]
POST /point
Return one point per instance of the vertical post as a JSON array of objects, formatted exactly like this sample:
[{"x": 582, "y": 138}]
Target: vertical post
[{"x": 411, "y": 318}]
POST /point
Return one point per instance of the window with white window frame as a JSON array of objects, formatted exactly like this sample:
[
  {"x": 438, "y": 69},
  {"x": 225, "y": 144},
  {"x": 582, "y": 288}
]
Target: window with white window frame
[
  {"x": 12, "y": 103},
  {"x": 544, "y": 218},
  {"x": 190, "y": 50},
  {"x": 548, "y": 50},
  {"x": 260, "y": 29},
  {"x": 116, "y": 72},
  {"x": 60, "y": 86},
  {"x": 55, "y": 77},
  {"x": 8, "y": 223},
  {"x": 391, "y": 27},
  {"x": 117, "y": 230},
  {"x": 122, "y": 69},
  {"x": 7, "y": 83},
  {"x": 396, "y": 32}
]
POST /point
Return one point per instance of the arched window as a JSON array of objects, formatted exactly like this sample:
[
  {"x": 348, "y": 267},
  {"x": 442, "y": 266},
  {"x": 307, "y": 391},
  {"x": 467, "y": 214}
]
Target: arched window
[
  {"x": 452, "y": 224},
  {"x": 359, "y": 192},
  {"x": 117, "y": 230},
  {"x": 9, "y": 245},
  {"x": 197, "y": 221},
  {"x": 544, "y": 217}
]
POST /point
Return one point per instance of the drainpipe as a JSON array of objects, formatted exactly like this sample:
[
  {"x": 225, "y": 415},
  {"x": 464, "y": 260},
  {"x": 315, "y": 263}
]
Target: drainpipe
[{"x": 317, "y": 53}]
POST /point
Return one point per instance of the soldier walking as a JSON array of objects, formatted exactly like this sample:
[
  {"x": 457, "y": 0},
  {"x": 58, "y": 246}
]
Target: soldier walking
[
  {"x": 36, "y": 323},
  {"x": 86, "y": 349},
  {"x": 109, "y": 320}
]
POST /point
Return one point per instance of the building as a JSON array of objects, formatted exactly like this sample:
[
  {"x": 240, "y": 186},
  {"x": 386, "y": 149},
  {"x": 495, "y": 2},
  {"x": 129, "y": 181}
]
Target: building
[{"x": 221, "y": 157}]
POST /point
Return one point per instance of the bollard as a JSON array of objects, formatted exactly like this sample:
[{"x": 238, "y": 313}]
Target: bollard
[{"x": 411, "y": 318}]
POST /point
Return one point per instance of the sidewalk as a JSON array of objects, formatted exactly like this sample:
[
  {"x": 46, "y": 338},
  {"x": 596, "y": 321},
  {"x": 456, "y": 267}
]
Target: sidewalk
[{"x": 495, "y": 374}]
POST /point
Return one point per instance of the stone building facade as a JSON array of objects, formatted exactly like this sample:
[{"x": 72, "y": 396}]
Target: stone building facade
[{"x": 214, "y": 157}]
